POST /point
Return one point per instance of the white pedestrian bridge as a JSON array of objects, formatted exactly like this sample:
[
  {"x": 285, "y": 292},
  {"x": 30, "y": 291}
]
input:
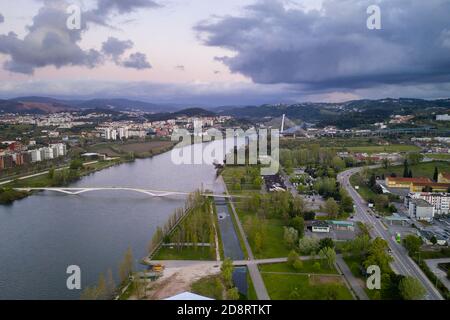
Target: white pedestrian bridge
[{"x": 152, "y": 193}]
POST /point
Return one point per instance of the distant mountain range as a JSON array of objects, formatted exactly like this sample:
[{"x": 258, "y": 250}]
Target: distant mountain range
[
  {"x": 43, "y": 105},
  {"x": 344, "y": 115}
]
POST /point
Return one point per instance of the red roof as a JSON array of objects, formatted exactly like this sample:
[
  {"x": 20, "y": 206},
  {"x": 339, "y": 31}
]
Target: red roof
[{"x": 411, "y": 180}]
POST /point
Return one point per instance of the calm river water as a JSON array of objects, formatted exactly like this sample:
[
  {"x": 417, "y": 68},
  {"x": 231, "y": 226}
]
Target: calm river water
[{"x": 43, "y": 234}]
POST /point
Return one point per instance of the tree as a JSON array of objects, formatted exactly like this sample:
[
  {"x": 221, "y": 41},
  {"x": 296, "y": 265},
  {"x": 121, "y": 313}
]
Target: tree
[
  {"x": 292, "y": 257},
  {"x": 433, "y": 240},
  {"x": 258, "y": 242},
  {"x": 414, "y": 158},
  {"x": 76, "y": 164},
  {"x": 411, "y": 289},
  {"x": 405, "y": 169},
  {"x": 51, "y": 173},
  {"x": 308, "y": 245},
  {"x": 126, "y": 266},
  {"x": 298, "y": 224},
  {"x": 412, "y": 243},
  {"x": 329, "y": 255},
  {"x": 331, "y": 207},
  {"x": 110, "y": 284},
  {"x": 233, "y": 294},
  {"x": 102, "y": 291},
  {"x": 290, "y": 237},
  {"x": 326, "y": 243},
  {"x": 226, "y": 272},
  {"x": 298, "y": 264},
  {"x": 436, "y": 174}
]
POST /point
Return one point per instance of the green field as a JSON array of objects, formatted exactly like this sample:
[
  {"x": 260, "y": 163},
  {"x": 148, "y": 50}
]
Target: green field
[
  {"x": 304, "y": 287},
  {"x": 185, "y": 253},
  {"x": 210, "y": 287},
  {"x": 307, "y": 267},
  {"x": 438, "y": 156},
  {"x": 424, "y": 169},
  {"x": 388, "y": 148}
]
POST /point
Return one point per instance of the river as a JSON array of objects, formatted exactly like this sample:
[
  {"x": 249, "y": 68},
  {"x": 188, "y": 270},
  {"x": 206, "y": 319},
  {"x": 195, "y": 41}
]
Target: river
[{"x": 43, "y": 234}]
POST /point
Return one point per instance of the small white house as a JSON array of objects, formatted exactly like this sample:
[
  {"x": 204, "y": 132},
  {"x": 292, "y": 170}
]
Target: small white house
[{"x": 320, "y": 227}]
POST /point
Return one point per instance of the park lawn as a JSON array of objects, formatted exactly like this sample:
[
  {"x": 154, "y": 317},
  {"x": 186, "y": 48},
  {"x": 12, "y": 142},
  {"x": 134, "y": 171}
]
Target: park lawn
[
  {"x": 424, "y": 169},
  {"x": 315, "y": 287},
  {"x": 273, "y": 246},
  {"x": 389, "y": 148},
  {"x": 438, "y": 156},
  {"x": 364, "y": 191},
  {"x": 307, "y": 267},
  {"x": 185, "y": 253},
  {"x": 210, "y": 287}
]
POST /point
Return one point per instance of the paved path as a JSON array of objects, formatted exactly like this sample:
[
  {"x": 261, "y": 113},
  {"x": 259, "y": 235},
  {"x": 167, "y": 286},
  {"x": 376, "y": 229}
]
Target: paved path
[
  {"x": 354, "y": 282},
  {"x": 441, "y": 274},
  {"x": 402, "y": 263}
]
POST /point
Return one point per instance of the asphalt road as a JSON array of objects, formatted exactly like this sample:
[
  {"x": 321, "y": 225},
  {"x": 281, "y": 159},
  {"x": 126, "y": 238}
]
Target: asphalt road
[{"x": 402, "y": 263}]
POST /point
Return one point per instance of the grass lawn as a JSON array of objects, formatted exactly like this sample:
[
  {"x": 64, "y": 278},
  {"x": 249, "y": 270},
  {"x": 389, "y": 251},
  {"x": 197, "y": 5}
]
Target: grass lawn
[
  {"x": 306, "y": 268},
  {"x": 424, "y": 169},
  {"x": 274, "y": 246},
  {"x": 210, "y": 287},
  {"x": 186, "y": 253},
  {"x": 389, "y": 148},
  {"x": 303, "y": 287},
  {"x": 365, "y": 192},
  {"x": 438, "y": 156}
]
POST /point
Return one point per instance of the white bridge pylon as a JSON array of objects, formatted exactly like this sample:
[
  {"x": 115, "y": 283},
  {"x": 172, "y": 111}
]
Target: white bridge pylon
[{"x": 152, "y": 193}]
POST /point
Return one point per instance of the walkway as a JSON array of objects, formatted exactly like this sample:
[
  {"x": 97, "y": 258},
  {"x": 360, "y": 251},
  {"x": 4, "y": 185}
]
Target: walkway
[
  {"x": 438, "y": 272},
  {"x": 354, "y": 282}
]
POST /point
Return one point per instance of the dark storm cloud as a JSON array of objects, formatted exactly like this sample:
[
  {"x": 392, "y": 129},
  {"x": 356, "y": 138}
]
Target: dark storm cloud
[
  {"x": 115, "y": 47},
  {"x": 137, "y": 61},
  {"x": 106, "y": 7},
  {"x": 48, "y": 42},
  {"x": 2, "y": 18},
  {"x": 333, "y": 48}
]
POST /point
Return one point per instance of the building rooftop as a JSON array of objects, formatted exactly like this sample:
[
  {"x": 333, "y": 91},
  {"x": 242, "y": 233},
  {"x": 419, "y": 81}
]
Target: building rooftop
[
  {"x": 188, "y": 296},
  {"x": 412, "y": 180},
  {"x": 422, "y": 203}
]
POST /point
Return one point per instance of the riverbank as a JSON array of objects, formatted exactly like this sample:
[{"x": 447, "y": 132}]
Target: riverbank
[{"x": 63, "y": 176}]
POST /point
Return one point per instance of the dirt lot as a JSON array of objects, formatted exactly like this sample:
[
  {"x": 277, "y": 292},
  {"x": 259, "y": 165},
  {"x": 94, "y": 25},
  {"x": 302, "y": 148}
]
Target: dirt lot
[{"x": 179, "y": 279}]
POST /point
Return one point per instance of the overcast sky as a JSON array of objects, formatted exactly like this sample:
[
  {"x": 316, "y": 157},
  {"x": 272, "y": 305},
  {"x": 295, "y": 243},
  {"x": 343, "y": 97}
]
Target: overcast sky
[{"x": 213, "y": 52}]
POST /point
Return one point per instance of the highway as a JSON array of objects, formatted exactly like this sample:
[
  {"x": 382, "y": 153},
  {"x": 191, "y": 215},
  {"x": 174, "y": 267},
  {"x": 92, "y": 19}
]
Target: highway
[{"x": 402, "y": 263}]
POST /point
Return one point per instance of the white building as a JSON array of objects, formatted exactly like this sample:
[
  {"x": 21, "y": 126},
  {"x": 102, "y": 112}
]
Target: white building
[
  {"x": 440, "y": 201},
  {"x": 35, "y": 155},
  {"x": 421, "y": 210},
  {"x": 443, "y": 117},
  {"x": 59, "y": 149}
]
